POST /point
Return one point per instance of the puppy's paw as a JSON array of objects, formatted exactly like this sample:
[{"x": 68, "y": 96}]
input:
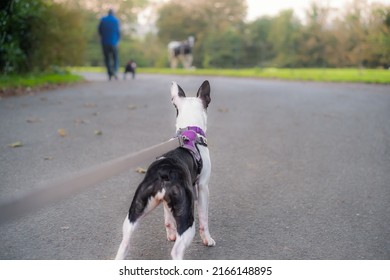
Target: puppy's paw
[
  {"x": 209, "y": 242},
  {"x": 171, "y": 232},
  {"x": 171, "y": 237},
  {"x": 206, "y": 238}
]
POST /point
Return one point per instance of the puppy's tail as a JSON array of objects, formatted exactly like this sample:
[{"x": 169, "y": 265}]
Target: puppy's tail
[{"x": 166, "y": 174}]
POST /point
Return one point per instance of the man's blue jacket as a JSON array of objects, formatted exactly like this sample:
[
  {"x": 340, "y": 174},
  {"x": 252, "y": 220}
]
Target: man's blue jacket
[{"x": 109, "y": 30}]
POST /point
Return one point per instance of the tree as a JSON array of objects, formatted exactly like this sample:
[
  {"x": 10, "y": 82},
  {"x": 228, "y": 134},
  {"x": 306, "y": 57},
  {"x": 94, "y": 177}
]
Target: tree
[
  {"x": 176, "y": 22},
  {"x": 147, "y": 51},
  {"x": 206, "y": 20},
  {"x": 351, "y": 33},
  {"x": 379, "y": 36},
  {"x": 315, "y": 40},
  {"x": 58, "y": 37},
  {"x": 283, "y": 36},
  {"x": 226, "y": 50},
  {"x": 16, "y": 34},
  {"x": 258, "y": 49},
  {"x": 90, "y": 13},
  {"x": 126, "y": 10},
  {"x": 36, "y": 34}
]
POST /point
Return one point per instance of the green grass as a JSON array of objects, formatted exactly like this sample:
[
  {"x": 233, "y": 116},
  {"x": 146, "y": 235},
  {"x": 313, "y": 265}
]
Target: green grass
[
  {"x": 91, "y": 69},
  {"x": 9, "y": 83},
  {"x": 36, "y": 80},
  {"x": 380, "y": 76}
]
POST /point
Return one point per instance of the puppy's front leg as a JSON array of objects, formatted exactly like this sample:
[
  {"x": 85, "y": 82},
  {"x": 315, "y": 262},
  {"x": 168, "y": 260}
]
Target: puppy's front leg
[{"x": 203, "y": 212}]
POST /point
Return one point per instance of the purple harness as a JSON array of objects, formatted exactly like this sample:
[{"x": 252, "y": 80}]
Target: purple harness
[{"x": 191, "y": 137}]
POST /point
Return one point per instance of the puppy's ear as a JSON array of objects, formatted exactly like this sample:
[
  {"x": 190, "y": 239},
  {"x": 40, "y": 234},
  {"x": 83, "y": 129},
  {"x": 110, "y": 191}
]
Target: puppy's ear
[
  {"x": 176, "y": 92},
  {"x": 204, "y": 93}
]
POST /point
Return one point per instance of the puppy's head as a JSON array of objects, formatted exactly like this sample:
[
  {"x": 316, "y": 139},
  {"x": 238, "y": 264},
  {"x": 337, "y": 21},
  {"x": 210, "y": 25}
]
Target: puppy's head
[{"x": 191, "y": 111}]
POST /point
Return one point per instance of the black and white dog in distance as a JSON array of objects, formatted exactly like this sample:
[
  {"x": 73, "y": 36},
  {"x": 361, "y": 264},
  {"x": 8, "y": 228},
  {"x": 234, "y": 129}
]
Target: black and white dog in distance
[
  {"x": 178, "y": 179},
  {"x": 181, "y": 51}
]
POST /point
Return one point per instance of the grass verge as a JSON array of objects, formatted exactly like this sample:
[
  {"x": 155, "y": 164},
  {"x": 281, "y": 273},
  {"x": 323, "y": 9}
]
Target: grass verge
[
  {"x": 379, "y": 76},
  {"x": 353, "y": 75},
  {"x": 21, "y": 84}
]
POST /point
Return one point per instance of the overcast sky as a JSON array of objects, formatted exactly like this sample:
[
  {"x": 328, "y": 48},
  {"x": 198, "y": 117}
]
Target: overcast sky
[{"x": 258, "y": 8}]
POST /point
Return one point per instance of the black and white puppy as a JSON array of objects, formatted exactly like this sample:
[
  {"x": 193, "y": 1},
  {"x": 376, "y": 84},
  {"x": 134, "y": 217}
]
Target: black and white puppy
[{"x": 178, "y": 179}]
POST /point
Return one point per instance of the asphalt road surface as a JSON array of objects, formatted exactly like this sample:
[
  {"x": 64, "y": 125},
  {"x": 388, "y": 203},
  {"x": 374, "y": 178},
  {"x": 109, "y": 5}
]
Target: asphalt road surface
[{"x": 301, "y": 170}]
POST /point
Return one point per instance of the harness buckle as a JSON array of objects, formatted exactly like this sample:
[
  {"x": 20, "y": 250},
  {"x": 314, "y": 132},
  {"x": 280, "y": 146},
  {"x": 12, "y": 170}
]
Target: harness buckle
[{"x": 202, "y": 140}]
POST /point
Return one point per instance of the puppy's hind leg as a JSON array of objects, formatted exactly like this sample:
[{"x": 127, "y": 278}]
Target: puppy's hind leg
[
  {"x": 170, "y": 223},
  {"x": 128, "y": 229},
  {"x": 145, "y": 200},
  {"x": 181, "y": 201},
  {"x": 183, "y": 241}
]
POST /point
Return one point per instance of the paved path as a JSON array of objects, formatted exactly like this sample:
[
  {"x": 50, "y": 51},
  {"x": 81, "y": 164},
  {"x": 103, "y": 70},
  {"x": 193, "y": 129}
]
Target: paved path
[{"x": 300, "y": 170}]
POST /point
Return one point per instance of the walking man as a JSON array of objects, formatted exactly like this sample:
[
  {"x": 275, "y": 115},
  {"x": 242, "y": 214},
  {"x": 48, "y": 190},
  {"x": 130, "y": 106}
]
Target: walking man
[{"x": 109, "y": 32}]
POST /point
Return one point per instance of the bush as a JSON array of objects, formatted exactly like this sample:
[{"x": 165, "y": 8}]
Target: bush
[{"x": 37, "y": 34}]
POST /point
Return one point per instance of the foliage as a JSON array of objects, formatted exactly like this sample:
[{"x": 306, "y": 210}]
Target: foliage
[
  {"x": 126, "y": 11},
  {"x": 258, "y": 49},
  {"x": 314, "y": 40},
  {"x": 36, "y": 34},
  {"x": 59, "y": 37},
  {"x": 222, "y": 56},
  {"x": 213, "y": 23},
  {"x": 283, "y": 35},
  {"x": 356, "y": 36},
  {"x": 146, "y": 52},
  {"x": 379, "y": 36},
  {"x": 15, "y": 19}
]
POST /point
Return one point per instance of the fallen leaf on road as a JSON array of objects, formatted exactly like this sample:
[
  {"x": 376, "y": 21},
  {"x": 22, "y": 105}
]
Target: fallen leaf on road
[
  {"x": 132, "y": 107},
  {"x": 16, "y": 144},
  {"x": 48, "y": 158},
  {"x": 140, "y": 170},
  {"x": 62, "y": 132},
  {"x": 90, "y": 105},
  {"x": 98, "y": 132},
  {"x": 223, "y": 110},
  {"x": 33, "y": 120},
  {"x": 80, "y": 121}
]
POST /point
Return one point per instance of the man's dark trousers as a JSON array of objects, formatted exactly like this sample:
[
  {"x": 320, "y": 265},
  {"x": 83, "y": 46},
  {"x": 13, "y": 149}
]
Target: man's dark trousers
[{"x": 110, "y": 53}]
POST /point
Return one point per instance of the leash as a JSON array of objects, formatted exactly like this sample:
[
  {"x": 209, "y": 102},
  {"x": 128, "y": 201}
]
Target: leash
[{"x": 54, "y": 192}]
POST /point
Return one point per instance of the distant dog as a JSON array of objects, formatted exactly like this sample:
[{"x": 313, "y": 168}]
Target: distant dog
[
  {"x": 130, "y": 67},
  {"x": 178, "y": 179}
]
